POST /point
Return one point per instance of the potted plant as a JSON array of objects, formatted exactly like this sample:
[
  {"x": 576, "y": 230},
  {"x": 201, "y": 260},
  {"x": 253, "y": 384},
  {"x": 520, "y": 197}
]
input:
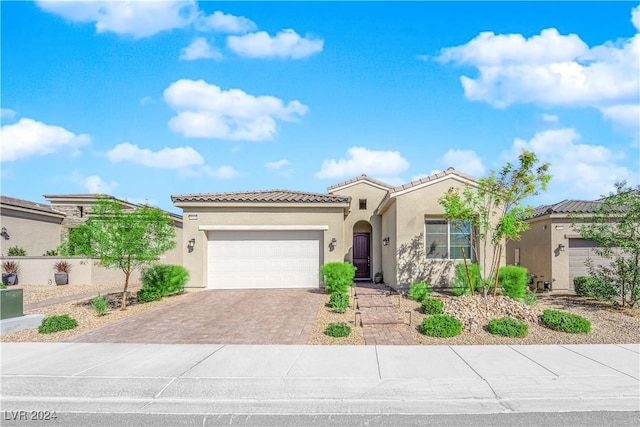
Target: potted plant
[
  {"x": 62, "y": 269},
  {"x": 377, "y": 278},
  {"x": 10, "y": 273}
]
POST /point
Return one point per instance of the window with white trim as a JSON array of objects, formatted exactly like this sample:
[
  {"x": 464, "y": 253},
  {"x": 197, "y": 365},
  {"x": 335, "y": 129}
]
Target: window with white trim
[{"x": 444, "y": 239}]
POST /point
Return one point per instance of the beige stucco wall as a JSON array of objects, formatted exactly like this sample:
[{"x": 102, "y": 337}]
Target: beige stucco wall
[
  {"x": 539, "y": 250},
  {"x": 250, "y": 214},
  {"x": 373, "y": 195},
  {"x": 389, "y": 266},
  {"x": 33, "y": 232},
  {"x": 39, "y": 271}
]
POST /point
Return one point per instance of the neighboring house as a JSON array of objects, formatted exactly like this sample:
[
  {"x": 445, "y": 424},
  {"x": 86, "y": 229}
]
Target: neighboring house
[
  {"x": 41, "y": 227},
  {"x": 551, "y": 250},
  {"x": 280, "y": 238}
]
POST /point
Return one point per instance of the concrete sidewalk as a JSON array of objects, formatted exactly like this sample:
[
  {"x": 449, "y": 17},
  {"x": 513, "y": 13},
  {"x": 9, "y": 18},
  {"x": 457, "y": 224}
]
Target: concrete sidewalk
[{"x": 72, "y": 378}]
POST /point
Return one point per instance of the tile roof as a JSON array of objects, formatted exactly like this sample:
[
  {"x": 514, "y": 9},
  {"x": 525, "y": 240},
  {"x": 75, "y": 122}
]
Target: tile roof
[
  {"x": 449, "y": 171},
  {"x": 265, "y": 196},
  {"x": 362, "y": 177},
  {"x": 25, "y": 204},
  {"x": 567, "y": 207}
]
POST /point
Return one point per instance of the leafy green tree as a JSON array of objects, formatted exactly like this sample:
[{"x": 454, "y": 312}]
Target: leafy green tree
[
  {"x": 615, "y": 225},
  {"x": 494, "y": 209},
  {"x": 127, "y": 240}
]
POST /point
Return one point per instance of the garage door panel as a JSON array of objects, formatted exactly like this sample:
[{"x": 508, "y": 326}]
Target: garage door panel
[{"x": 264, "y": 259}]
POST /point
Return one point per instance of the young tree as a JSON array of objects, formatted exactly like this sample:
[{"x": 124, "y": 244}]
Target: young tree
[
  {"x": 615, "y": 226},
  {"x": 124, "y": 240},
  {"x": 493, "y": 208}
]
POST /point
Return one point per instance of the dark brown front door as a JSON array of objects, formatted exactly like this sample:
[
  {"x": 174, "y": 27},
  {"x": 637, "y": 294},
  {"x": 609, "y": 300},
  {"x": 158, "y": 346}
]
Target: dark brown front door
[{"x": 362, "y": 255}]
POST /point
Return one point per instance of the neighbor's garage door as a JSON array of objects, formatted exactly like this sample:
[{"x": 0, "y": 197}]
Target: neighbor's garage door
[
  {"x": 264, "y": 259},
  {"x": 579, "y": 251}
]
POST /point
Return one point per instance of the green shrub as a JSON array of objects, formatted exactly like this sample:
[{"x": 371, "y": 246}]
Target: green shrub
[
  {"x": 50, "y": 252},
  {"x": 530, "y": 297},
  {"x": 513, "y": 281},
  {"x": 338, "y": 330},
  {"x": 16, "y": 251},
  {"x": 565, "y": 322},
  {"x": 507, "y": 327},
  {"x": 441, "y": 325},
  {"x": 57, "y": 323},
  {"x": 432, "y": 306},
  {"x": 592, "y": 287},
  {"x": 460, "y": 284},
  {"x": 338, "y": 276},
  {"x": 419, "y": 290},
  {"x": 3, "y": 286},
  {"x": 100, "y": 304},
  {"x": 339, "y": 302},
  {"x": 162, "y": 280}
]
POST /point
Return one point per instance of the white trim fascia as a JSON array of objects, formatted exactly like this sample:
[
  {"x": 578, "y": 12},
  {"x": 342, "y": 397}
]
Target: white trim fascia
[
  {"x": 342, "y": 187},
  {"x": 263, "y": 227}
]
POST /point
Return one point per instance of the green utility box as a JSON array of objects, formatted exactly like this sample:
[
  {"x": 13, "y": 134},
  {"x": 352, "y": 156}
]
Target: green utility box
[{"x": 10, "y": 303}]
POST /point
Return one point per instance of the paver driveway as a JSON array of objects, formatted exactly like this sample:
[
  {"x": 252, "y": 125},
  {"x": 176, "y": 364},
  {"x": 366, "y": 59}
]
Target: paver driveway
[{"x": 248, "y": 316}]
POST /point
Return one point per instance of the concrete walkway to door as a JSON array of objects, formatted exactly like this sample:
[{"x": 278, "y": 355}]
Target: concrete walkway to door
[{"x": 248, "y": 316}]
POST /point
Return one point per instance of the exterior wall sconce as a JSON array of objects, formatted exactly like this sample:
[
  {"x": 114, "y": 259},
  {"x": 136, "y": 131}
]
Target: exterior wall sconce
[
  {"x": 4, "y": 233},
  {"x": 385, "y": 241},
  {"x": 561, "y": 247},
  {"x": 191, "y": 245},
  {"x": 333, "y": 243}
]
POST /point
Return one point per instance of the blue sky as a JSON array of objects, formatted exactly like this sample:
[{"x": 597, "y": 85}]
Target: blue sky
[{"x": 144, "y": 99}]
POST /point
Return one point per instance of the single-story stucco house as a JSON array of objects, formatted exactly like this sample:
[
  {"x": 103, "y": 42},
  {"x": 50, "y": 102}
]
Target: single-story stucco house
[
  {"x": 281, "y": 238},
  {"x": 551, "y": 250}
]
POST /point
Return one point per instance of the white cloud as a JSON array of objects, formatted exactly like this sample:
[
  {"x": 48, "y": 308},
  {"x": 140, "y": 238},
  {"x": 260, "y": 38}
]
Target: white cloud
[
  {"x": 361, "y": 160},
  {"x": 94, "y": 184},
  {"x": 550, "y": 69},
  {"x": 551, "y": 118},
  {"x": 7, "y": 113},
  {"x": 625, "y": 116},
  {"x": 140, "y": 18},
  {"x": 285, "y": 44},
  {"x": 146, "y": 100},
  {"x": 422, "y": 175},
  {"x": 142, "y": 201},
  {"x": 28, "y": 138},
  {"x": 167, "y": 158},
  {"x": 225, "y": 23},
  {"x": 223, "y": 172},
  {"x": 277, "y": 165},
  {"x": 206, "y": 111},
  {"x": 199, "y": 49},
  {"x": 580, "y": 171},
  {"x": 465, "y": 161},
  {"x": 635, "y": 17}
]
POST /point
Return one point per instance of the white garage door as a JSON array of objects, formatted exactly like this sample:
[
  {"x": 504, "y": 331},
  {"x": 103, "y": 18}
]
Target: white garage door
[
  {"x": 264, "y": 259},
  {"x": 579, "y": 251}
]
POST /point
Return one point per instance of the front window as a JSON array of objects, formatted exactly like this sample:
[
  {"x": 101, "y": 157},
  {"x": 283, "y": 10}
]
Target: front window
[{"x": 447, "y": 240}]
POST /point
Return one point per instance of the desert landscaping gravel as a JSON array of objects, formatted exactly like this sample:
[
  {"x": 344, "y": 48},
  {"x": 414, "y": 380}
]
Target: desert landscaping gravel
[{"x": 609, "y": 325}]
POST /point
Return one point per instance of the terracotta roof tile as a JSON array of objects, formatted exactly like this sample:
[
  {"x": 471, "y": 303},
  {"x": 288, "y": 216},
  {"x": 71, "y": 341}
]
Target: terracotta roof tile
[
  {"x": 449, "y": 171},
  {"x": 265, "y": 196},
  {"x": 362, "y": 177},
  {"x": 567, "y": 207}
]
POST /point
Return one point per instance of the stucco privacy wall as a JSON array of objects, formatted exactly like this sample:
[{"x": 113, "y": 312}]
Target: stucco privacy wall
[
  {"x": 39, "y": 271},
  {"x": 248, "y": 214},
  {"x": 34, "y": 232},
  {"x": 373, "y": 194},
  {"x": 389, "y": 229}
]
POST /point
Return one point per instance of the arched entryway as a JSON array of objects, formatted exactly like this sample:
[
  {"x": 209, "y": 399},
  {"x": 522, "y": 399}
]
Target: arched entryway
[{"x": 362, "y": 249}]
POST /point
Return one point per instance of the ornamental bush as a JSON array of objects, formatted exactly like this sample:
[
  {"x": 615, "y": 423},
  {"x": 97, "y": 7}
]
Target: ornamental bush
[
  {"x": 100, "y": 304},
  {"x": 432, "y": 306},
  {"x": 338, "y": 277},
  {"x": 592, "y": 287},
  {"x": 460, "y": 284},
  {"x": 508, "y": 327},
  {"x": 338, "y": 330},
  {"x": 565, "y": 322},
  {"x": 162, "y": 280},
  {"x": 441, "y": 325},
  {"x": 16, "y": 251},
  {"x": 53, "y": 324},
  {"x": 419, "y": 290},
  {"x": 339, "y": 302},
  {"x": 513, "y": 281}
]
